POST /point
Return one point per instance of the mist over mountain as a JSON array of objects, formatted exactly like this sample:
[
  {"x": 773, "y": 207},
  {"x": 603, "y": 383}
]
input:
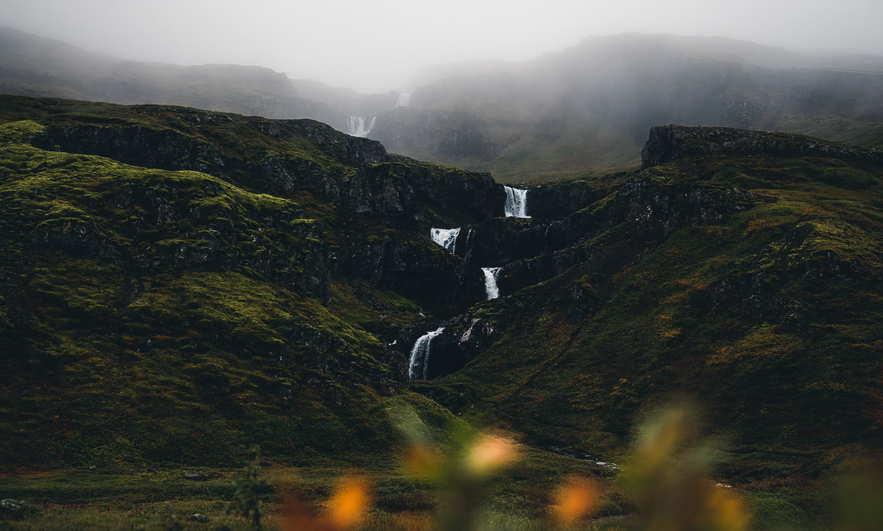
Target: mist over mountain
[
  {"x": 589, "y": 106},
  {"x": 37, "y": 66},
  {"x": 564, "y": 114}
]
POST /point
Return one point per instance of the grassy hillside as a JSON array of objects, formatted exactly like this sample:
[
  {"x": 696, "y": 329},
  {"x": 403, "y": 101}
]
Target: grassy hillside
[
  {"x": 154, "y": 315},
  {"x": 176, "y": 285},
  {"x": 768, "y": 319}
]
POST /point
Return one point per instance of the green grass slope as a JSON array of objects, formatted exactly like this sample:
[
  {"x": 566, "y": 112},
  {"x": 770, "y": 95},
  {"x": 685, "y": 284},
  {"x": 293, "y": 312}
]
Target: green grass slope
[
  {"x": 173, "y": 316},
  {"x": 771, "y": 320}
]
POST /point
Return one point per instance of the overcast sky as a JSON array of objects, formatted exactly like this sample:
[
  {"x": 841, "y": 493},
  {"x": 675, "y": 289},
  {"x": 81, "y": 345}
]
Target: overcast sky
[{"x": 376, "y": 45}]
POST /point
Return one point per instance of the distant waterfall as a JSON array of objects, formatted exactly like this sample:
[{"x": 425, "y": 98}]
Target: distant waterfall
[
  {"x": 516, "y": 202},
  {"x": 404, "y": 100},
  {"x": 447, "y": 238},
  {"x": 419, "y": 363},
  {"x": 490, "y": 281},
  {"x": 356, "y": 126}
]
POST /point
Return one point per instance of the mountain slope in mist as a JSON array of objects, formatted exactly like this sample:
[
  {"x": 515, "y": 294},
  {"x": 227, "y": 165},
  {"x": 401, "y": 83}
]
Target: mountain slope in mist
[
  {"x": 37, "y": 66},
  {"x": 578, "y": 113},
  {"x": 590, "y": 106}
]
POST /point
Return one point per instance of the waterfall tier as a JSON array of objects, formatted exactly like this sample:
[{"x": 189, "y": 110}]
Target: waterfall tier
[
  {"x": 404, "y": 100},
  {"x": 356, "y": 126},
  {"x": 490, "y": 281},
  {"x": 447, "y": 238},
  {"x": 516, "y": 203},
  {"x": 418, "y": 366}
]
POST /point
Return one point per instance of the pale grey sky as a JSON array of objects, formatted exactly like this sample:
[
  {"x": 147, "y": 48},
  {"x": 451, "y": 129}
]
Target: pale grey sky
[{"x": 376, "y": 45}]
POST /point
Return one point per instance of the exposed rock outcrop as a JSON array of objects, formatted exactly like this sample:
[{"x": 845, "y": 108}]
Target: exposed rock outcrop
[
  {"x": 165, "y": 149},
  {"x": 463, "y": 339},
  {"x": 672, "y": 142}
]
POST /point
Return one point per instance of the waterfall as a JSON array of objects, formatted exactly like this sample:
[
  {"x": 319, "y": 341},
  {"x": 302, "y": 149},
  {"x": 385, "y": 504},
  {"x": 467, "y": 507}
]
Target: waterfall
[
  {"x": 356, "y": 126},
  {"x": 516, "y": 202},
  {"x": 490, "y": 281},
  {"x": 469, "y": 235},
  {"x": 447, "y": 238},
  {"x": 420, "y": 355},
  {"x": 404, "y": 100}
]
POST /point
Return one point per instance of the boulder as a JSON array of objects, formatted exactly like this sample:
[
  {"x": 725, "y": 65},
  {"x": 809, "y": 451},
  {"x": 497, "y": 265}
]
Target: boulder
[{"x": 15, "y": 509}]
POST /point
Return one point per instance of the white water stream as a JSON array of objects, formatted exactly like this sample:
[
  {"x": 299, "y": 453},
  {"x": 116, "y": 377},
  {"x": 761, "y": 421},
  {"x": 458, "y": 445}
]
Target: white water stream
[
  {"x": 418, "y": 366},
  {"x": 447, "y": 238},
  {"x": 356, "y": 126},
  {"x": 404, "y": 100},
  {"x": 490, "y": 281},
  {"x": 516, "y": 202}
]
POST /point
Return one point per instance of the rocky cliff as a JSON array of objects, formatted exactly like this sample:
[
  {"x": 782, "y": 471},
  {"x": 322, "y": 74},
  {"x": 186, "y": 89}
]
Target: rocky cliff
[{"x": 673, "y": 142}]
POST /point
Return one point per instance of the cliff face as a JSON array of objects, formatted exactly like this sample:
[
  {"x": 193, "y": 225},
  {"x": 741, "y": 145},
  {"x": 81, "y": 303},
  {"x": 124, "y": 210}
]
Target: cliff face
[
  {"x": 672, "y": 142},
  {"x": 437, "y": 135}
]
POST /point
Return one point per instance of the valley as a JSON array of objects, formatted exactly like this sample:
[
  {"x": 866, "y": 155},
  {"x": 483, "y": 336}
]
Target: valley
[
  {"x": 506, "y": 289},
  {"x": 178, "y": 284}
]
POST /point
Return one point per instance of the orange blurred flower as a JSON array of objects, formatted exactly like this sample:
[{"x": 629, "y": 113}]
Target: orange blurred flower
[
  {"x": 491, "y": 453},
  {"x": 576, "y": 499},
  {"x": 349, "y": 504}
]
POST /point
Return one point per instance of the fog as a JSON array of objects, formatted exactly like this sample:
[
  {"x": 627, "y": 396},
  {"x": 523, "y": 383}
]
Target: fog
[{"x": 376, "y": 46}]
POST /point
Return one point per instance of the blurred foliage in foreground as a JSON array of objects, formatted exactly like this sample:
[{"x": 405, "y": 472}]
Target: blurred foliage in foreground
[{"x": 665, "y": 485}]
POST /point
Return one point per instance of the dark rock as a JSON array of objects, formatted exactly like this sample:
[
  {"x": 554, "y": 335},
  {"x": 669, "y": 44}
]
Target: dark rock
[
  {"x": 580, "y": 304},
  {"x": 754, "y": 285},
  {"x": 139, "y": 146},
  {"x": 77, "y": 238},
  {"x": 561, "y": 200},
  {"x": 15, "y": 509},
  {"x": 655, "y": 213},
  {"x": 463, "y": 339},
  {"x": 672, "y": 142},
  {"x": 449, "y": 135},
  {"x": 195, "y": 476},
  {"x": 196, "y": 517}
]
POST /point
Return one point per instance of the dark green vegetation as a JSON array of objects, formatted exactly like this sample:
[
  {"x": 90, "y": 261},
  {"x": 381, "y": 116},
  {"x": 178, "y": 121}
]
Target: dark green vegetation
[
  {"x": 179, "y": 284},
  {"x": 151, "y": 315},
  {"x": 154, "y": 497},
  {"x": 770, "y": 318}
]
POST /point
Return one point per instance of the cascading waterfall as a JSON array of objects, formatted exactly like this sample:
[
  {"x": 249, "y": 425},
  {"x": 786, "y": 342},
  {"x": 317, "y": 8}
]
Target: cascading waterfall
[
  {"x": 447, "y": 238},
  {"x": 468, "y": 254},
  {"x": 516, "y": 202},
  {"x": 420, "y": 355},
  {"x": 490, "y": 281},
  {"x": 404, "y": 100},
  {"x": 356, "y": 126}
]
